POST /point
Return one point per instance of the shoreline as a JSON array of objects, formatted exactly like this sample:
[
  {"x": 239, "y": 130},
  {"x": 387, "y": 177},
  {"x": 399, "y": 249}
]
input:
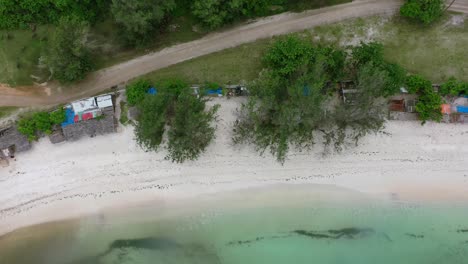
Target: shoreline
[{"x": 413, "y": 163}]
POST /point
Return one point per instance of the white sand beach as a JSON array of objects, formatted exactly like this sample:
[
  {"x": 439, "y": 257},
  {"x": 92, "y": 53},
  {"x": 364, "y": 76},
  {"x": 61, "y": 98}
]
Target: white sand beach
[{"x": 54, "y": 182}]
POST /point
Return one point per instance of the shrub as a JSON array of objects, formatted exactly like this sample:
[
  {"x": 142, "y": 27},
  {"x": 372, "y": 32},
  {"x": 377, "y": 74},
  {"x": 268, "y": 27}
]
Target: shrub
[
  {"x": 136, "y": 91},
  {"x": 425, "y": 11},
  {"x": 27, "y": 127},
  {"x": 418, "y": 84},
  {"x": 453, "y": 87},
  {"x": 42, "y": 122},
  {"x": 58, "y": 117}
]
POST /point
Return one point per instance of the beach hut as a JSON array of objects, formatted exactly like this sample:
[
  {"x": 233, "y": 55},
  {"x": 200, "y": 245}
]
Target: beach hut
[{"x": 12, "y": 141}]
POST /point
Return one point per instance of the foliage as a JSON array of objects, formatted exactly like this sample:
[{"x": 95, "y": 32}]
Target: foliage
[
  {"x": 453, "y": 87},
  {"x": 69, "y": 58},
  {"x": 189, "y": 125},
  {"x": 58, "y": 117},
  {"x": 429, "y": 107},
  {"x": 366, "y": 114},
  {"x": 429, "y": 102},
  {"x": 42, "y": 122},
  {"x": 136, "y": 91},
  {"x": 292, "y": 56},
  {"x": 373, "y": 53},
  {"x": 368, "y": 52},
  {"x": 191, "y": 131},
  {"x": 288, "y": 108},
  {"x": 215, "y": 13},
  {"x": 27, "y": 127},
  {"x": 418, "y": 84},
  {"x": 425, "y": 11},
  {"x": 287, "y": 55},
  {"x": 22, "y": 13},
  {"x": 140, "y": 19}
]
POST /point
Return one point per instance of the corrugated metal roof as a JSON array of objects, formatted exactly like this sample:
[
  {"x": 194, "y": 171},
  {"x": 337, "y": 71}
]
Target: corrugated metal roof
[
  {"x": 104, "y": 101},
  {"x": 84, "y": 105}
]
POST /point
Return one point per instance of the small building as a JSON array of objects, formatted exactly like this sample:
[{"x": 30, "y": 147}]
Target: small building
[
  {"x": 91, "y": 116},
  {"x": 12, "y": 141}
]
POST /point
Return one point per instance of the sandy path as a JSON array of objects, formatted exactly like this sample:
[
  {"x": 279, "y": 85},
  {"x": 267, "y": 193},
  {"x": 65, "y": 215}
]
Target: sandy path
[
  {"x": 264, "y": 28},
  {"x": 60, "y": 181}
]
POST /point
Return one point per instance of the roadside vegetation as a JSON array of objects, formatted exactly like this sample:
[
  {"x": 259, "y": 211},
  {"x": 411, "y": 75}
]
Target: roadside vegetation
[
  {"x": 40, "y": 122},
  {"x": 423, "y": 11},
  {"x": 112, "y": 31},
  {"x": 175, "y": 112}
]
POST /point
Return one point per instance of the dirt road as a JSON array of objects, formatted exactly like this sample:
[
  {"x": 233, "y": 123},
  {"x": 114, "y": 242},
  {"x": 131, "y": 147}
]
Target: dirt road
[{"x": 263, "y": 28}]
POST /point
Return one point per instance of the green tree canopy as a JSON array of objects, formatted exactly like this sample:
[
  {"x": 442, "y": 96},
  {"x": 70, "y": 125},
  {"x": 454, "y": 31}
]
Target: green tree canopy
[
  {"x": 21, "y": 13},
  {"x": 27, "y": 127},
  {"x": 373, "y": 53},
  {"x": 69, "y": 58},
  {"x": 140, "y": 20},
  {"x": 136, "y": 91},
  {"x": 188, "y": 122},
  {"x": 289, "y": 108},
  {"x": 425, "y": 11},
  {"x": 453, "y": 87},
  {"x": 215, "y": 13},
  {"x": 429, "y": 102}
]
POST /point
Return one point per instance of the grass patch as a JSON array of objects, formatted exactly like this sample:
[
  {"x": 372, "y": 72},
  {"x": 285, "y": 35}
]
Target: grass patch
[
  {"x": 6, "y": 111},
  {"x": 228, "y": 66},
  {"x": 436, "y": 52},
  {"x": 123, "y": 113},
  {"x": 19, "y": 55}
]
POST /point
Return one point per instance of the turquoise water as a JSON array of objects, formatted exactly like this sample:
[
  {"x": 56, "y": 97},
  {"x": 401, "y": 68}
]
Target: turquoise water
[{"x": 307, "y": 231}]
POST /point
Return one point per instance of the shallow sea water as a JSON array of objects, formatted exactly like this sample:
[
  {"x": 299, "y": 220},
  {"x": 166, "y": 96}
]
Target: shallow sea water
[{"x": 286, "y": 229}]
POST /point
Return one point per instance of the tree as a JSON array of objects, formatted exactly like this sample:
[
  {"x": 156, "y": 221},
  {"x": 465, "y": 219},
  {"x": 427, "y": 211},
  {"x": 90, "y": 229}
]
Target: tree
[
  {"x": 287, "y": 106},
  {"x": 453, "y": 87},
  {"x": 191, "y": 131},
  {"x": 373, "y": 53},
  {"x": 418, "y": 84},
  {"x": 136, "y": 91},
  {"x": 149, "y": 129},
  {"x": 429, "y": 102},
  {"x": 429, "y": 107},
  {"x": 188, "y": 122},
  {"x": 216, "y": 13},
  {"x": 286, "y": 56},
  {"x": 69, "y": 58},
  {"x": 425, "y": 11},
  {"x": 140, "y": 19},
  {"x": 21, "y": 13}
]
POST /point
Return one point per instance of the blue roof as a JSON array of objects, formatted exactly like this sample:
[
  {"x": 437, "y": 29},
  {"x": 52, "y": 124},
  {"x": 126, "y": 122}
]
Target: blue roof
[
  {"x": 70, "y": 117},
  {"x": 152, "y": 91}
]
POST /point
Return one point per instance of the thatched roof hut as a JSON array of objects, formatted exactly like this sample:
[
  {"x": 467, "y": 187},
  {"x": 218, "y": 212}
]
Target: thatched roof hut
[{"x": 11, "y": 138}]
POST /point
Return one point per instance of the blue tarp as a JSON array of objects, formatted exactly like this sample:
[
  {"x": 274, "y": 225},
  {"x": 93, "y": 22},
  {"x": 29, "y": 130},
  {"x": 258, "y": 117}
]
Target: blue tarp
[
  {"x": 152, "y": 91},
  {"x": 462, "y": 109},
  {"x": 70, "y": 115},
  {"x": 217, "y": 91}
]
